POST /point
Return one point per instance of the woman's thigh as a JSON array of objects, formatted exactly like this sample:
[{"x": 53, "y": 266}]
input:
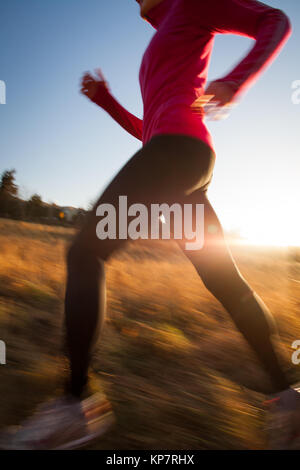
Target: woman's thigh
[{"x": 165, "y": 170}]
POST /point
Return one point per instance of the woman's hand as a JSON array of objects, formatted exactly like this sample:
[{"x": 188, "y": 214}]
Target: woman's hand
[
  {"x": 90, "y": 85},
  {"x": 222, "y": 92}
]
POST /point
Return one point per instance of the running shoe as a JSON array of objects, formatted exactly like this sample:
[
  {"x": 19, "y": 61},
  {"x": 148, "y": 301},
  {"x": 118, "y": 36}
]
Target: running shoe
[
  {"x": 283, "y": 420},
  {"x": 61, "y": 424}
]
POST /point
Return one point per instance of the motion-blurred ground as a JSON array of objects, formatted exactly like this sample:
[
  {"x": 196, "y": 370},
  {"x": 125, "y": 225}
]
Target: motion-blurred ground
[{"x": 177, "y": 372}]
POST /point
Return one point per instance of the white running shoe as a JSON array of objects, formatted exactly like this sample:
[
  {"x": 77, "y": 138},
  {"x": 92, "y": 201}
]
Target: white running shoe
[
  {"x": 283, "y": 420},
  {"x": 63, "y": 423}
]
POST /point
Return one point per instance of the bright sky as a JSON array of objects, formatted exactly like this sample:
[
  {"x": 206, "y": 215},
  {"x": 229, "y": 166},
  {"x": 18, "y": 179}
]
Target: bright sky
[{"x": 67, "y": 149}]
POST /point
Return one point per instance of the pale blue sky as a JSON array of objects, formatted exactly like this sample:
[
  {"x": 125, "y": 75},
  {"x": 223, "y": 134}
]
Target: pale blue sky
[{"x": 67, "y": 149}]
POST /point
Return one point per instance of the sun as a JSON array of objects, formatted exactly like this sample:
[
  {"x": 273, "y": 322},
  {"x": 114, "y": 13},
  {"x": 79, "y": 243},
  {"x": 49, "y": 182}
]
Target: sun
[{"x": 275, "y": 224}]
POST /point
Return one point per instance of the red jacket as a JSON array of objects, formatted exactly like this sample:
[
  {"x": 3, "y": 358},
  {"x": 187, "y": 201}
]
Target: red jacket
[{"x": 174, "y": 67}]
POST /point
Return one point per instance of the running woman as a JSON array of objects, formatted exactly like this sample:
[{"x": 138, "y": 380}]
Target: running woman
[{"x": 174, "y": 165}]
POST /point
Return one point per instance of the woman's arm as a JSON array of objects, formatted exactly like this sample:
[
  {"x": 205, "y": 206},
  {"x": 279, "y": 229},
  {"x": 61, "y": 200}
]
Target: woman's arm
[
  {"x": 98, "y": 92},
  {"x": 128, "y": 121},
  {"x": 269, "y": 27}
]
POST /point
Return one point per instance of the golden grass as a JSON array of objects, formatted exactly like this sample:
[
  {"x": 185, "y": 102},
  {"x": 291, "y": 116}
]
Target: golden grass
[{"x": 169, "y": 358}]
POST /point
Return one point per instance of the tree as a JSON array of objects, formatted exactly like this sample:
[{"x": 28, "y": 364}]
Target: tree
[
  {"x": 35, "y": 207},
  {"x": 7, "y": 185},
  {"x": 53, "y": 211},
  {"x": 9, "y": 203}
]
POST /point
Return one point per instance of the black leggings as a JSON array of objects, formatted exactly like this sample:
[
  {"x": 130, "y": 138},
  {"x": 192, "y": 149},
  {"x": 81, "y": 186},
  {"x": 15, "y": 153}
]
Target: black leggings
[{"x": 168, "y": 169}]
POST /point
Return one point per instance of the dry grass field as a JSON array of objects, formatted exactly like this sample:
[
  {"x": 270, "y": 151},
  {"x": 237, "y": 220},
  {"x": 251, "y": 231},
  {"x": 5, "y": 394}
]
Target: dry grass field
[{"x": 178, "y": 374}]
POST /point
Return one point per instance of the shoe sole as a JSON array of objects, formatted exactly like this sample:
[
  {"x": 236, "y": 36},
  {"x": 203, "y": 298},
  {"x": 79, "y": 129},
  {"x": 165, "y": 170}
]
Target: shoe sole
[{"x": 109, "y": 421}]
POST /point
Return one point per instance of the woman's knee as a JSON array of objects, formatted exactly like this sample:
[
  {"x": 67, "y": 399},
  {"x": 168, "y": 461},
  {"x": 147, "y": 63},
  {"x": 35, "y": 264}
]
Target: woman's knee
[
  {"x": 81, "y": 254},
  {"x": 82, "y": 260},
  {"x": 75, "y": 255},
  {"x": 211, "y": 279},
  {"x": 222, "y": 278}
]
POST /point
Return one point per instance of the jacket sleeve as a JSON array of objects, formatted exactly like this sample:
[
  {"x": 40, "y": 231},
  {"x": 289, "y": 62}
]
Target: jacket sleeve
[
  {"x": 128, "y": 121},
  {"x": 269, "y": 27}
]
